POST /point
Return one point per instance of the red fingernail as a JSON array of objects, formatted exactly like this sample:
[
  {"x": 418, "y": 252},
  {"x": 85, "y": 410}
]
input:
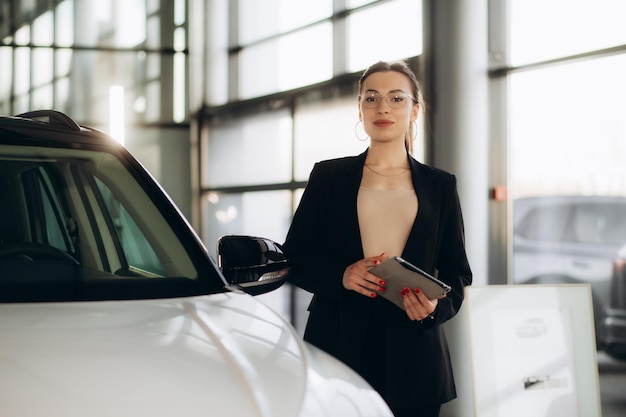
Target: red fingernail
[
  {"x": 404, "y": 291},
  {"x": 417, "y": 291},
  {"x": 373, "y": 295},
  {"x": 381, "y": 289},
  {"x": 382, "y": 282}
]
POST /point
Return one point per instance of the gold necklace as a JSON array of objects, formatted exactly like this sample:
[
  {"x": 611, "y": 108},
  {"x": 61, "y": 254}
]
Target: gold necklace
[{"x": 383, "y": 175}]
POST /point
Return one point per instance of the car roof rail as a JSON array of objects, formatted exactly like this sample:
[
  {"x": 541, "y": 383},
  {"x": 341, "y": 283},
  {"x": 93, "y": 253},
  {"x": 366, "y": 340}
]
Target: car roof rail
[{"x": 52, "y": 117}]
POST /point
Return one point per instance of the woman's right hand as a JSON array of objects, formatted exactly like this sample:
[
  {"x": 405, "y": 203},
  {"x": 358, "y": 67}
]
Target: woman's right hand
[{"x": 357, "y": 278}]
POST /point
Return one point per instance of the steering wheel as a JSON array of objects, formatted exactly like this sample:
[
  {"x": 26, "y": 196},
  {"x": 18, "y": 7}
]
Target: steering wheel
[{"x": 36, "y": 251}]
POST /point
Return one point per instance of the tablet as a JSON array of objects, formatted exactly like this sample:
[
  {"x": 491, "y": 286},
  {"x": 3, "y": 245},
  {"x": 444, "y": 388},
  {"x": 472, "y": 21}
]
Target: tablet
[{"x": 399, "y": 273}]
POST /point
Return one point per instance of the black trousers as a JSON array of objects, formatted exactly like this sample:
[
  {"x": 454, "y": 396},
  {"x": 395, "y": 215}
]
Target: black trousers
[{"x": 374, "y": 373}]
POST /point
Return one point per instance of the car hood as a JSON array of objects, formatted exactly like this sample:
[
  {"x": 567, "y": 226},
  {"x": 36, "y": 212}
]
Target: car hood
[{"x": 223, "y": 355}]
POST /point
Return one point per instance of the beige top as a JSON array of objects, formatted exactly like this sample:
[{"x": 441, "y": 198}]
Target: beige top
[{"x": 385, "y": 219}]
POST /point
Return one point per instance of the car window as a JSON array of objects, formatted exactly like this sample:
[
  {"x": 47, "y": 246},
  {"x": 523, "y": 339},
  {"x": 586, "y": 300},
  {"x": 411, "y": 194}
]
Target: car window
[
  {"x": 139, "y": 254},
  {"x": 81, "y": 224},
  {"x": 600, "y": 223},
  {"x": 576, "y": 222},
  {"x": 548, "y": 224},
  {"x": 54, "y": 225}
]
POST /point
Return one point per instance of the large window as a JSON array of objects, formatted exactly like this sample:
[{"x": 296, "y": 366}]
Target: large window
[
  {"x": 545, "y": 30},
  {"x": 370, "y": 35},
  {"x": 566, "y": 117},
  {"x": 68, "y": 54},
  {"x": 567, "y": 128},
  {"x": 250, "y": 150},
  {"x": 286, "y": 44}
]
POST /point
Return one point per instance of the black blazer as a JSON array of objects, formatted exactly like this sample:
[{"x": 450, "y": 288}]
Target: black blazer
[{"x": 324, "y": 239}]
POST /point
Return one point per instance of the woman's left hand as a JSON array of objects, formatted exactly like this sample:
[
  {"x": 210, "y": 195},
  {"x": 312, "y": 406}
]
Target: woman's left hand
[{"x": 417, "y": 305}]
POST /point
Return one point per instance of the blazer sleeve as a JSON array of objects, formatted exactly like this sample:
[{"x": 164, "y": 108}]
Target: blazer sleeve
[
  {"x": 311, "y": 268},
  {"x": 451, "y": 262}
]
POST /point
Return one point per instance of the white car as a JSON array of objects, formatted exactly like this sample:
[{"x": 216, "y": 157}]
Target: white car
[{"x": 111, "y": 306}]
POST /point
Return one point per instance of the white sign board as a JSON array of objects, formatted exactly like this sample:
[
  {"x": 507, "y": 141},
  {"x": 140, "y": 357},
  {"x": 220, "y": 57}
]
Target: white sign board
[{"x": 533, "y": 351}]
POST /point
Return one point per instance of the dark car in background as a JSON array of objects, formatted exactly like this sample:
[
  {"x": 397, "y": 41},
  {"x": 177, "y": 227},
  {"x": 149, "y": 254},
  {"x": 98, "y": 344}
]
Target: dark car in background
[
  {"x": 614, "y": 323},
  {"x": 571, "y": 239}
]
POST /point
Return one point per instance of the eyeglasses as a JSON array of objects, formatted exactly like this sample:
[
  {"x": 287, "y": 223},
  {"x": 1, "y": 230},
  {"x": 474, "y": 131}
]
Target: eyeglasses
[{"x": 396, "y": 100}]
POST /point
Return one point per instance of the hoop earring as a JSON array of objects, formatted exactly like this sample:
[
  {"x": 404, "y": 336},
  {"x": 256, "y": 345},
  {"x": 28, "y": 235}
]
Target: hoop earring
[
  {"x": 414, "y": 127},
  {"x": 359, "y": 127}
]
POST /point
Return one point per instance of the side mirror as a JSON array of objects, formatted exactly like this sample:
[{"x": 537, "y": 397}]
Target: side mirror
[{"x": 252, "y": 264}]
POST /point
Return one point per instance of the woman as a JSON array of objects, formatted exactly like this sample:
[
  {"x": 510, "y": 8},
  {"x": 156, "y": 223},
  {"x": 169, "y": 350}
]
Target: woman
[{"x": 356, "y": 212}]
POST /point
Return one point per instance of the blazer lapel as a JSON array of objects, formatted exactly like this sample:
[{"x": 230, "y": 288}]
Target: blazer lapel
[
  {"x": 345, "y": 191},
  {"x": 420, "y": 248}
]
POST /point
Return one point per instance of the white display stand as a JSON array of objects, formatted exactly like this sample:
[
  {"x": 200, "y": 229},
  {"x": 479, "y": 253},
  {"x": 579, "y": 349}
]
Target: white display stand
[{"x": 533, "y": 351}]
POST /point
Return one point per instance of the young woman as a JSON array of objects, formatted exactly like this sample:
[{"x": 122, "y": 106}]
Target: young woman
[{"x": 356, "y": 212}]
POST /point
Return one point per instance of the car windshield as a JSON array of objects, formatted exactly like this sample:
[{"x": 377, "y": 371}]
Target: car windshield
[
  {"x": 598, "y": 221},
  {"x": 75, "y": 224}
]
